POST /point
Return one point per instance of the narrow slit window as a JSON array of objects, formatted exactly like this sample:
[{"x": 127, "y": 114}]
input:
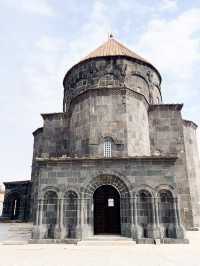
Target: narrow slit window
[{"x": 107, "y": 148}]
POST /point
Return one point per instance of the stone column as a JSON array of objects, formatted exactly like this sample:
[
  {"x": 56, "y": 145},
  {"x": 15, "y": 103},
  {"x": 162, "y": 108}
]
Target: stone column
[
  {"x": 153, "y": 212},
  {"x": 132, "y": 213},
  {"x": 79, "y": 224},
  {"x": 61, "y": 212},
  {"x": 41, "y": 227},
  {"x": 61, "y": 224},
  {"x": 179, "y": 230},
  {"x": 82, "y": 216},
  {"x": 156, "y": 211},
  {"x": 37, "y": 232},
  {"x": 85, "y": 229},
  {"x": 135, "y": 227},
  {"x": 175, "y": 212},
  {"x": 135, "y": 210},
  {"x": 90, "y": 218},
  {"x": 58, "y": 212},
  {"x": 57, "y": 231},
  {"x": 155, "y": 222},
  {"x": 40, "y": 211},
  {"x": 87, "y": 217},
  {"x": 37, "y": 213}
]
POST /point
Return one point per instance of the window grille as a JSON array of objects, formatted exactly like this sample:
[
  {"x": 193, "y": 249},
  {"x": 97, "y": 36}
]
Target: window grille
[{"x": 107, "y": 148}]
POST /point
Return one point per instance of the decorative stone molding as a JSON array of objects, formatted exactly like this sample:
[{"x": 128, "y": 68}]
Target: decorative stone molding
[
  {"x": 104, "y": 73},
  {"x": 101, "y": 180}
]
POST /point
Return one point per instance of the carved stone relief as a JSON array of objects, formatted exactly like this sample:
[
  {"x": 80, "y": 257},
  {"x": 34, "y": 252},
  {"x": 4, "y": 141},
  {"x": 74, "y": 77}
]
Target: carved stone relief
[{"x": 108, "y": 73}]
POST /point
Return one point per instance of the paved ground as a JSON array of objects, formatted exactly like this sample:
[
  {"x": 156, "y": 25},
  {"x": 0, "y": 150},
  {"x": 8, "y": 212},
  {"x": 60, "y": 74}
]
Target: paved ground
[
  {"x": 4, "y": 231},
  {"x": 138, "y": 255}
]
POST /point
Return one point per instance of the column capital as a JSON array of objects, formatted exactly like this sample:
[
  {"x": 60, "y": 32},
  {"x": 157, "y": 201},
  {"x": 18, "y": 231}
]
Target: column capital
[
  {"x": 40, "y": 199},
  {"x": 135, "y": 196},
  {"x": 156, "y": 197}
]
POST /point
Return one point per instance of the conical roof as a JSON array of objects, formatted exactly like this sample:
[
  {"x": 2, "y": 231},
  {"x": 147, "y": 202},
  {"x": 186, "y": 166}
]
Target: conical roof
[{"x": 113, "y": 48}]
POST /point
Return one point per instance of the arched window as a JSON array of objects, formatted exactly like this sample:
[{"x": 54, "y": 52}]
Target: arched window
[
  {"x": 167, "y": 213},
  {"x": 50, "y": 212},
  {"x": 107, "y": 147},
  {"x": 70, "y": 213},
  {"x": 145, "y": 211},
  {"x": 166, "y": 207}
]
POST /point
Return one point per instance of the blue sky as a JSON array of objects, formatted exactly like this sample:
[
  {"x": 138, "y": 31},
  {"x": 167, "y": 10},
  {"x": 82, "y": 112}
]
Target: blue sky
[{"x": 41, "y": 39}]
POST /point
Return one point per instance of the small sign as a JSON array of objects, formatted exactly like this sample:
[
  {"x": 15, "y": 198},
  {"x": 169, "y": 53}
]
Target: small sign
[{"x": 111, "y": 203}]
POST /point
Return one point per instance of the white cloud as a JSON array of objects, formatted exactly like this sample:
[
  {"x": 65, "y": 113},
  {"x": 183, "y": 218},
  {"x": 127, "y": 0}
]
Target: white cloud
[
  {"x": 38, "y": 7},
  {"x": 50, "y": 44},
  {"x": 43, "y": 73},
  {"x": 172, "y": 44},
  {"x": 52, "y": 57},
  {"x": 168, "y": 5},
  {"x": 94, "y": 31}
]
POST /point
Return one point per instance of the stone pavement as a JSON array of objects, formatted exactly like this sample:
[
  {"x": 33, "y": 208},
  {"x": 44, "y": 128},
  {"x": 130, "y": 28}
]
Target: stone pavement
[{"x": 138, "y": 255}]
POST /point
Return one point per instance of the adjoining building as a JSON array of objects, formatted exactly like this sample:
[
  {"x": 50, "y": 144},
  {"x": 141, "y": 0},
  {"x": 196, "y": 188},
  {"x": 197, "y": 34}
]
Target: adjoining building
[
  {"x": 17, "y": 201},
  {"x": 2, "y": 191},
  {"x": 117, "y": 160}
]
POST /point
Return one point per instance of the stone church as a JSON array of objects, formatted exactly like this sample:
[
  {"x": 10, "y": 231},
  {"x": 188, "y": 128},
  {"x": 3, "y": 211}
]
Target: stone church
[{"x": 116, "y": 161}]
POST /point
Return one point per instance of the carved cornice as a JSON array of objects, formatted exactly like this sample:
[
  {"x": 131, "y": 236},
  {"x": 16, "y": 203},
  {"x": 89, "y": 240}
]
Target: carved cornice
[
  {"x": 165, "y": 107},
  {"x": 52, "y": 116},
  {"x": 38, "y": 131},
  {"x": 152, "y": 159},
  {"x": 189, "y": 123}
]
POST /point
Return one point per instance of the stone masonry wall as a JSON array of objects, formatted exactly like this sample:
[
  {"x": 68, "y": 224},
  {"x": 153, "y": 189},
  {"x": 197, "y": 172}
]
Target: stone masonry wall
[
  {"x": 166, "y": 137},
  {"x": 138, "y": 143},
  {"x": 37, "y": 152},
  {"x": 113, "y": 72},
  {"x": 137, "y": 173},
  {"x": 192, "y": 164},
  {"x": 55, "y": 134},
  {"x": 114, "y": 113}
]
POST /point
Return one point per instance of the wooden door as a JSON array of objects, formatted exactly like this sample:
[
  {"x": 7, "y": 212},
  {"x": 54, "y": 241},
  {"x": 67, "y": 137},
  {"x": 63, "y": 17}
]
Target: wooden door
[{"x": 106, "y": 210}]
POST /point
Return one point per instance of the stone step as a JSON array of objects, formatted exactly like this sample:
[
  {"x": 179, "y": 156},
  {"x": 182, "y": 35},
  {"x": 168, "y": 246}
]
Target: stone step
[
  {"x": 19, "y": 233},
  {"x": 20, "y": 229},
  {"x": 106, "y": 243},
  {"x": 107, "y": 240},
  {"x": 15, "y": 242}
]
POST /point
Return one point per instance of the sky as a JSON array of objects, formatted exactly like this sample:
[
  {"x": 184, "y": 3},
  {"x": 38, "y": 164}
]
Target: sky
[{"x": 41, "y": 39}]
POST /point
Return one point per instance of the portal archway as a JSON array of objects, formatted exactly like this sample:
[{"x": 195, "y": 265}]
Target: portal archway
[
  {"x": 12, "y": 204},
  {"x": 106, "y": 210},
  {"x": 122, "y": 187}
]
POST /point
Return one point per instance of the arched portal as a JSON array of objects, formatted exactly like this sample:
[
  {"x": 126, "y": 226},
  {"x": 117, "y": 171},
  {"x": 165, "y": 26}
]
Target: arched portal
[
  {"x": 122, "y": 187},
  {"x": 12, "y": 204},
  {"x": 106, "y": 210}
]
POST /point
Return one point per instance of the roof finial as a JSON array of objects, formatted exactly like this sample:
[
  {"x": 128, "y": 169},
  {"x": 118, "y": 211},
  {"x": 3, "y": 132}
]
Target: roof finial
[{"x": 110, "y": 36}]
